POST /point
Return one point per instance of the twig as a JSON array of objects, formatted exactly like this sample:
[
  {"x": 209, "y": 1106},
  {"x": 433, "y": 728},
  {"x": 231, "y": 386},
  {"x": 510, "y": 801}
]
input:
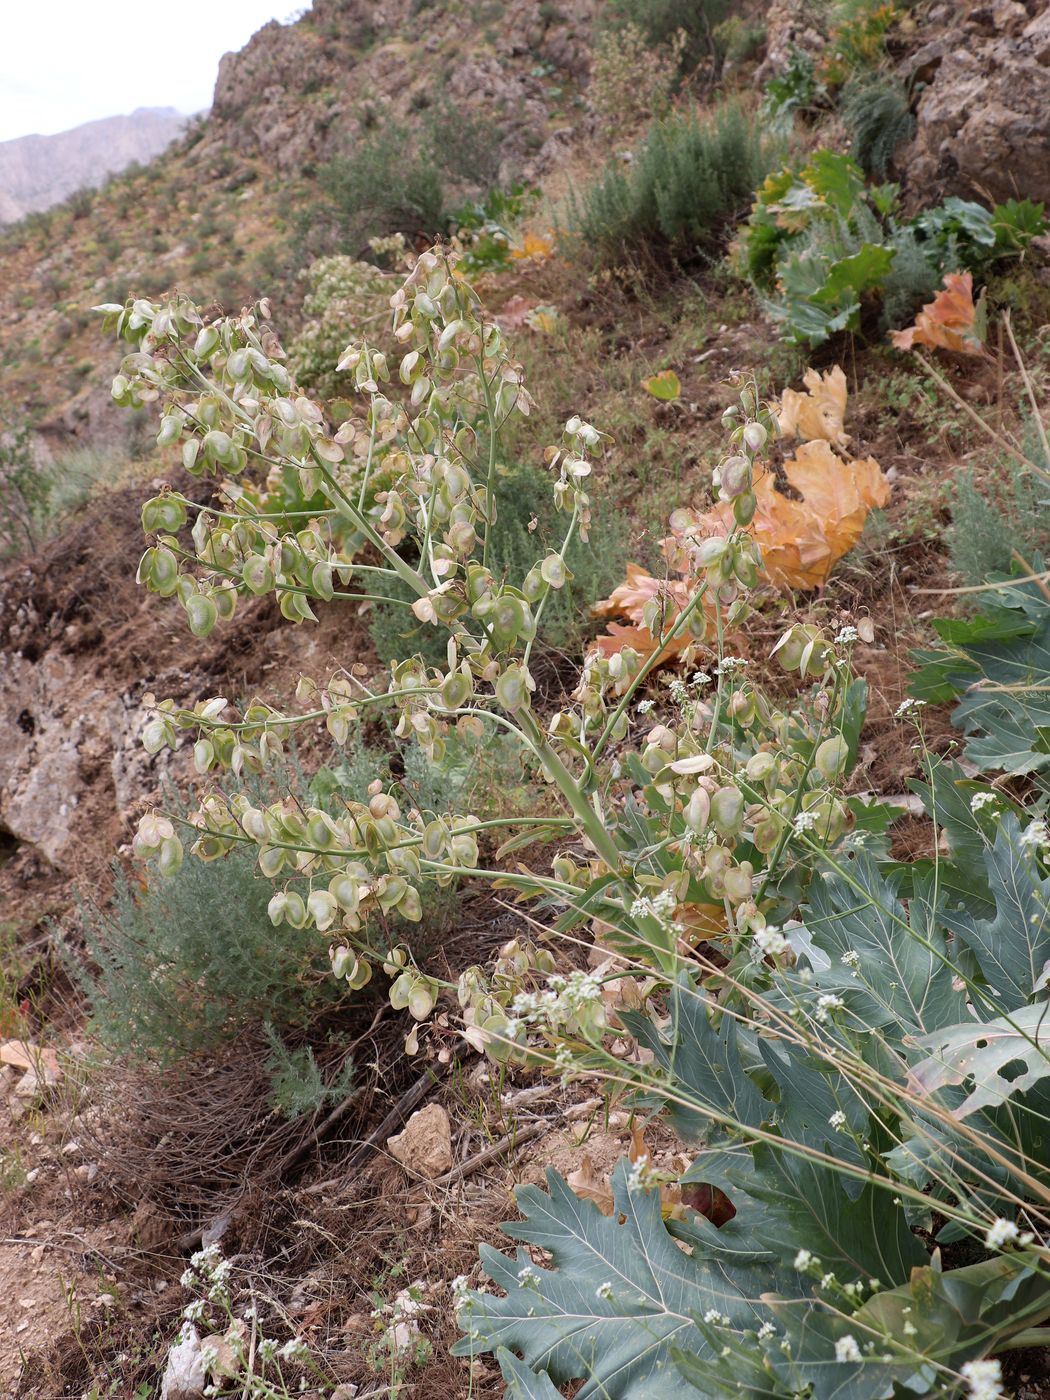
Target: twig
[
  {"x": 404, "y": 1106},
  {"x": 84, "y": 1248},
  {"x": 1040, "y": 583},
  {"x": 480, "y": 1159},
  {"x": 1040, "y": 428},
  {"x": 984, "y": 426},
  {"x": 1005, "y": 584}
]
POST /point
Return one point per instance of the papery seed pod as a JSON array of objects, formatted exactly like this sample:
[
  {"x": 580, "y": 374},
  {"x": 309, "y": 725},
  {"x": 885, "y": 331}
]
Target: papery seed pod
[
  {"x": 759, "y": 766},
  {"x": 744, "y": 508},
  {"x": 734, "y": 476},
  {"x": 738, "y": 884},
  {"x": 831, "y": 758},
  {"x": 697, "y": 812},
  {"x": 202, "y": 614},
  {"x": 755, "y": 437},
  {"x": 322, "y": 907},
  {"x": 727, "y": 810}
]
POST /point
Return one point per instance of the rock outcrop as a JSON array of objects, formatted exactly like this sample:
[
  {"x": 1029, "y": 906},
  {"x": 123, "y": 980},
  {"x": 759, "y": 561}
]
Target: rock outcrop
[{"x": 983, "y": 118}]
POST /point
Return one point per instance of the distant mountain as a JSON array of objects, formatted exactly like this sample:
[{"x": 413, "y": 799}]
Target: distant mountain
[{"x": 37, "y": 171}]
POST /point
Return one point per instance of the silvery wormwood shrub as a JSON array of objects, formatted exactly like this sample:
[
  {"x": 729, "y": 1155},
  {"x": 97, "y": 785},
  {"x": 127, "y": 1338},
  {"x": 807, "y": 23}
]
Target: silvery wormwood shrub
[{"x": 704, "y": 810}]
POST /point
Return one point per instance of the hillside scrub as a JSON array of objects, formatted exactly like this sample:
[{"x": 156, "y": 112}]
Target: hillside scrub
[{"x": 535, "y": 758}]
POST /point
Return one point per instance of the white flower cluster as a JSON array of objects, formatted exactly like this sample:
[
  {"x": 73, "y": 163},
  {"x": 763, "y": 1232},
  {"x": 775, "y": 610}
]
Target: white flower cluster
[
  {"x": 846, "y": 1349},
  {"x": 908, "y": 707},
  {"x": 570, "y": 1003},
  {"x": 770, "y": 941},
  {"x": 1004, "y": 1232},
  {"x": 729, "y": 664},
  {"x": 826, "y": 1004},
  {"x": 984, "y": 1380},
  {"x": 846, "y": 637},
  {"x": 982, "y": 799},
  {"x": 1035, "y": 837}
]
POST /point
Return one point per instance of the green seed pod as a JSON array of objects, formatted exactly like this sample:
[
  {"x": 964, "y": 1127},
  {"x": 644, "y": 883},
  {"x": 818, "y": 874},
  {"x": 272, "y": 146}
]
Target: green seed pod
[
  {"x": 257, "y": 575},
  {"x": 202, "y": 614},
  {"x": 738, "y": 884},
  {"x": 831, "y": 758},
  {"x": 697, "y": 811},
  {"x": 760, "y": 766},
  {"x": 727, "y": 810},
  {"x": 163, "y": 513},
  {"x": 766, "y": 834},
  {"x": 744, "y": 508}
]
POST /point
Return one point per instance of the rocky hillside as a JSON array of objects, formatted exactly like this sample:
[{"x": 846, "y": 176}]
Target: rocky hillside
[{"x": 39, "y": 171}]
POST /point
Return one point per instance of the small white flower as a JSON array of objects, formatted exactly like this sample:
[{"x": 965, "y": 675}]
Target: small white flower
[
  {"x": 188, "y": 1279},
  {"x": 193, "y": 1312},
  {"x": 644, "y": 706},
  {"x": 729, "y": 664},
  {"x": 838, "y": 1120},
  {"x": 827, "y": 1280},
  {"x": 528, "y": 1277},
  {"x": 714, "y": 1318},
  {"x": 604, "y": 1291},
  {"x": 847, "y": 636},
  {"x": 910, "y": 1330},
  {"x": 804, "y": 1260},
  {"x": 770, "y": 941},
  {"x": 846, "y": 1349},
  {"x": 908, "y": 707},
  {"x": 1035, "y": 836},
  {"x": 699, "y": 678},
  {"x": 267, "y": 1349},
  {"x": 805, "y": 821},
  {"x": 293, "y": 1350},
  {"x": 1004, "y": 1232},
  {"x": 827, "y": 1003},
  {"x": 984, "y": 1379},
  {"x": 851, "y": 959},
  {"x": 982, "y": 799},
  {"x": 766, "y": 1331}
]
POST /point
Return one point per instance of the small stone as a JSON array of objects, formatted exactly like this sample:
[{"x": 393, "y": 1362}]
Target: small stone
[
  {"x": 424, "y": 1147},
  {"x": 184, "y": 1377}
]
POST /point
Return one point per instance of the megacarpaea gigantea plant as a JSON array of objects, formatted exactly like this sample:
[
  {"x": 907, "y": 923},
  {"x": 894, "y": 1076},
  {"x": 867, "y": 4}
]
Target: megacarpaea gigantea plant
[
  {"x": 703, "y": 828},
  {"x": 704, "y": 811}
]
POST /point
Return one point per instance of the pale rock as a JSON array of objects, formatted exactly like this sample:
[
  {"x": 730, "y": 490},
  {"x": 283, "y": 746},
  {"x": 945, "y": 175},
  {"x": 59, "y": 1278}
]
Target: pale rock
[
  {"x": 184, "y": 1375},
  {"x": 424, "y": 1146}
]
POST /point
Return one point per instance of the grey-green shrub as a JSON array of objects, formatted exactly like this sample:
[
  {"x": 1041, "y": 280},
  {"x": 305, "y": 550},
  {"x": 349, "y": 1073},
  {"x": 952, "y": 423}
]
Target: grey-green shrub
[
  {"x": 689, "y": 182},
  {"x": 1007, "y": 514},
  {"x": 876, "y": 113},
  {"x": 661, "y": 20}
]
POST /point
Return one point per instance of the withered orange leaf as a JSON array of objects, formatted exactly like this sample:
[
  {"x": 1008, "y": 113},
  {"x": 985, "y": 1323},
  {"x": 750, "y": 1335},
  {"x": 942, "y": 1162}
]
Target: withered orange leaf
[
  {"x": 948, "y": 322},
  {"x": 820, "y": 413}
]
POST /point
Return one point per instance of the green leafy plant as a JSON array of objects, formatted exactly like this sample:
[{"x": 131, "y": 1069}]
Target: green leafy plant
[
  {"x": 997, "y": 667},
  {"x": 821, "y": 242},
  {"x": 824, "y": 1084},
  {"x": 803, "y": 1001}
]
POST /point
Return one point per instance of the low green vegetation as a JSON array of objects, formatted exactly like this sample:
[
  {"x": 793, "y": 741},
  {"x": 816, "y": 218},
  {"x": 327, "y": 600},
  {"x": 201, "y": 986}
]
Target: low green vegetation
[
  {"x": 688, "y": 183},
  {"x": 821, "y": 243}
]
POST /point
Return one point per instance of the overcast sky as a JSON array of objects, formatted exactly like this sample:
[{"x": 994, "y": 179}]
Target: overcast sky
[{"x": 63, "y": 62}]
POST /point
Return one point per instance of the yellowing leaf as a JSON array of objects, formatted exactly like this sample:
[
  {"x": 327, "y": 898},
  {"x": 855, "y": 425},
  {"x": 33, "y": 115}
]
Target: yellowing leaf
[
  {"x": 801, "y": 540},
  {"x": 948, "y": 322},
  {"x": 821, "y": 413},
  {"x": 664, "y": 386},
  {"x": 543, "y": 319},
  {"x": 534, "y": 247}
]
